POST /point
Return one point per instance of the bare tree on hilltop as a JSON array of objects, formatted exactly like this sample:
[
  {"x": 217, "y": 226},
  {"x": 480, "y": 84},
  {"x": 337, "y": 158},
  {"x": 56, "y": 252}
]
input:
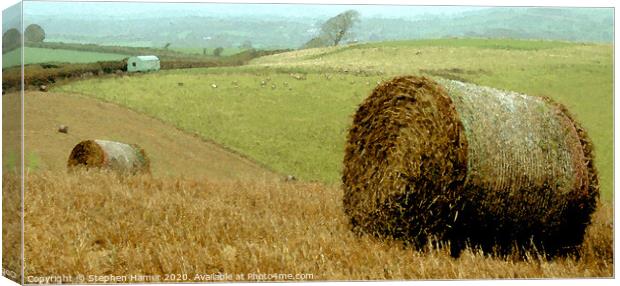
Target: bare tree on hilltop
[{"x": 334, "y": 30}]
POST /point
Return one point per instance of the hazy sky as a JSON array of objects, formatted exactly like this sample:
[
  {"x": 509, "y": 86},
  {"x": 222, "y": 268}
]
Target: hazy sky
[
  {"x": 11, "y": 17},
  {"x": 90, "y": 9}
]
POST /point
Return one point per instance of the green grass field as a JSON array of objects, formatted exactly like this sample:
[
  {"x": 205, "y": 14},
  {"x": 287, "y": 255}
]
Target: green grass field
[
  {"x": 41, "y": 55},
  {"x": 298, "y": 126},
  {"x": 209, "y": 51}
]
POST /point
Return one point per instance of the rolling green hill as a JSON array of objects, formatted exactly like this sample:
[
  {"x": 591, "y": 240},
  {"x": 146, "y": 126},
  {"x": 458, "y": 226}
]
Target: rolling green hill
[{"x": 291, "y": 111}]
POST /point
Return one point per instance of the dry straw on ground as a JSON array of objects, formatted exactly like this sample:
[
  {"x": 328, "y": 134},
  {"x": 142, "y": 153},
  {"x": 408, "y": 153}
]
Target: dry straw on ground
[
  {"x": 469, "y": 165},
  {"x": 121, "y": 157},
  {"x": 142, "y": 225}
]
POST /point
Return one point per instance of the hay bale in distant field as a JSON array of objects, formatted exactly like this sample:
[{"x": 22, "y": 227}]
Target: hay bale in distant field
[
  {"x": 63, "y": 129},
  {"x": 120, "y": 157},
  {"x": 469, "y": 165}
]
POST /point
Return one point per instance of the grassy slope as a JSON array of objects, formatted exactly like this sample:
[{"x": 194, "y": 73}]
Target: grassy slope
[
  {"x": 267, "y": 124},
  {"x": 299, "y": 126},
  {"x": 171, "y": 151},
  {"x": 42, "y": 55},
  {"x": 145, "y": 225}
]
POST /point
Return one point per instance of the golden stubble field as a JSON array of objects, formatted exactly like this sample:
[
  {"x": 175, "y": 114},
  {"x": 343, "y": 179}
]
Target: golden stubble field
[{"x": 97, "y": 223}]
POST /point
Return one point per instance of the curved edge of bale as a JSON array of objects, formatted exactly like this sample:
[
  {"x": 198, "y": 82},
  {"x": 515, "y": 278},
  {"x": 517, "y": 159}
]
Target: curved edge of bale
[
  {"x": 386, "y": 196},
  {"x": 582, "y": 201},
  {"x": 144, "y": 159},
  {"x": 588, "y": 150}
]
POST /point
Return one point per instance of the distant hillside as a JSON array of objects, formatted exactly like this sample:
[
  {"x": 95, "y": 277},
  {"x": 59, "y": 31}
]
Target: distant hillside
[
  {"x": 567, "y": 24},
  {"x": 582, "y": 25},
  {"x": 179, "y": 31}
]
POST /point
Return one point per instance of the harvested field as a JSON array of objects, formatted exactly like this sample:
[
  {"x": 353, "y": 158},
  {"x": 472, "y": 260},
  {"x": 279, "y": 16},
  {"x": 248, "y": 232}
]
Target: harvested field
[
  {"x": 470, "y": 165},
  {"x": 145, "y": 225}
]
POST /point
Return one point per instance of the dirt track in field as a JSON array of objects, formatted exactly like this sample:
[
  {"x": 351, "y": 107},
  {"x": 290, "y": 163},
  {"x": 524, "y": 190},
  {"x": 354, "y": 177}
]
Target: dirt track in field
[{"x": 172, "y": 152}]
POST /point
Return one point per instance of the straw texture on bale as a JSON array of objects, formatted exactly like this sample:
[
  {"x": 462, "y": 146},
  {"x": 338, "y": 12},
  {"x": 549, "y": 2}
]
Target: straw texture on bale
[
  {"x": 120, "y": 157},
  {"x": 469, "y": 165}
]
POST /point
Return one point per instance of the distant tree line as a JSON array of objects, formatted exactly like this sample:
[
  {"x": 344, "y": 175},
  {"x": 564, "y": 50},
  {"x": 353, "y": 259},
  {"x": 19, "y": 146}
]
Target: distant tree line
[
  {"x": 131, "y": 51},
  {"x": 37, "y": 74}
]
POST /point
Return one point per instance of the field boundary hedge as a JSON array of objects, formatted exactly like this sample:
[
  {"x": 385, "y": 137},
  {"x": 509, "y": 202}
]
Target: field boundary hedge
[{"x": 50, "y": 73}]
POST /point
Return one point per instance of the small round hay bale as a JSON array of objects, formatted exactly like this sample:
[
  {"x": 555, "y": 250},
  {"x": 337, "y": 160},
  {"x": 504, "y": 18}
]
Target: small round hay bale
[
  {"x": 470, "y": 165},
  {"x": 120, "y": 157}
]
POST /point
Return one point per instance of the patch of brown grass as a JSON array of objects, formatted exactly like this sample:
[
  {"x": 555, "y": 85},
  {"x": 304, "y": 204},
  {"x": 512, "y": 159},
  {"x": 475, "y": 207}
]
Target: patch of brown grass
[
  {"x": 11, "y": 226},
  {"x": 96, "y": 223}
]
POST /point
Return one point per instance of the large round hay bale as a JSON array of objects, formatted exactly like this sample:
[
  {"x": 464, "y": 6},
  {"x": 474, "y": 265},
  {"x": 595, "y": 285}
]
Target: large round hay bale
[
  {"x": 470, "y": 165},
  {"x": 120, "y": 157}
]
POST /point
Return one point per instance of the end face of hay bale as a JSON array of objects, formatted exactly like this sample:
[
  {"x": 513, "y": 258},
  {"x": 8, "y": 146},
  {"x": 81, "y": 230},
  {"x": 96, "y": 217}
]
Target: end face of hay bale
[
  {"x": 468, "y": 164},
  {"x": 86, "y": 153},
  {"x": 116, "y": 156},
  {"x": 405, "y": 161}
]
